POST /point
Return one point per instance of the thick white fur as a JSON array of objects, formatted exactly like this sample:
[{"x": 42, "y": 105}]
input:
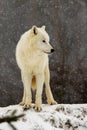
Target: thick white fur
[{"x": 32, "y": 59}]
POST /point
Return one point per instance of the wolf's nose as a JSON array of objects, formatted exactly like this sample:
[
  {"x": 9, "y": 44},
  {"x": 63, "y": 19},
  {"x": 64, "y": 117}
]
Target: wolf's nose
[{"x": 52, "y": 50}]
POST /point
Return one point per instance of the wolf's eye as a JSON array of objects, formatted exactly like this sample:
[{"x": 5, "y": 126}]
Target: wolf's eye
[{"x": 44, "y": 41}]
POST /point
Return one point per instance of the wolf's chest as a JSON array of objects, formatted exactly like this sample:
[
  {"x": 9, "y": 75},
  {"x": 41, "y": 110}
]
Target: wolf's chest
[
  {"x": 35, "y": 63},
  {"x": 33, "y": 60}
]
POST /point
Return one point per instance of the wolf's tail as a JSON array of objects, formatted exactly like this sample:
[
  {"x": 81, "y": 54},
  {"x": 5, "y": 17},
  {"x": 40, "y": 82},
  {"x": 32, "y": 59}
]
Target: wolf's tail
[{"x": 34, "y": 82}]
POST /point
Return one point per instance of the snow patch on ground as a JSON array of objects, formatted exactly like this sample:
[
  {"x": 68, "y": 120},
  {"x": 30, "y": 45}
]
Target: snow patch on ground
[{"x": 56, "y": 117}]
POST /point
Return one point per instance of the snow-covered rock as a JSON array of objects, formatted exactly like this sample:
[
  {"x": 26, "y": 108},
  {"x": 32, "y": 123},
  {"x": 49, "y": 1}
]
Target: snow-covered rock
[{"x": 56, "y": 117}]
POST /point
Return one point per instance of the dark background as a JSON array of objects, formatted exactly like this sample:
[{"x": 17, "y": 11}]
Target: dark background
[{"x": 66, "y": 23}]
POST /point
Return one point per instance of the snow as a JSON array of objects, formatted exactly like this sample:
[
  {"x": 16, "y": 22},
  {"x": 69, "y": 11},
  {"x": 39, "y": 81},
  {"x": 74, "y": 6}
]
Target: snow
[{"x": 56, "y": 117}]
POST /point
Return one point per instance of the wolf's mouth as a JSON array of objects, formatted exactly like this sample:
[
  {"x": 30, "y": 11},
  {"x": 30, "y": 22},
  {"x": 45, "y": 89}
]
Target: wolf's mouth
[{"x": 47, "y": 52}]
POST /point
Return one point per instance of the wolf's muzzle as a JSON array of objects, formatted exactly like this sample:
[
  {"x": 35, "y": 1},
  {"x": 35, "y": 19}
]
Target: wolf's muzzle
[{"x": 52, "y": 50}]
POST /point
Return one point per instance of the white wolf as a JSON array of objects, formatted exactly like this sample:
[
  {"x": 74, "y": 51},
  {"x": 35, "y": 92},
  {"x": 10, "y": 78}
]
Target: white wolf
[{"x": 32, "y": 58}]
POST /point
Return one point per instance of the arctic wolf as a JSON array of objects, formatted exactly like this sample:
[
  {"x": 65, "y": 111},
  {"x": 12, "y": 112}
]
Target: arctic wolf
[{"x": 32, "y": 58}]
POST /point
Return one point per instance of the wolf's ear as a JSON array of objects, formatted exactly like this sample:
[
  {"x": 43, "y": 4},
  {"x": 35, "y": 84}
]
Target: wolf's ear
[
  {"x": 34, "y": 30},
  {"x": 44, "y": 27}
]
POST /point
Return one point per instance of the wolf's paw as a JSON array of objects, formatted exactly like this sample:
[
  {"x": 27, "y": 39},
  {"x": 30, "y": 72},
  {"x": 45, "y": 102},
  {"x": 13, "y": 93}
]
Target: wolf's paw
[
  {"x": 27, "y": 106},
  {"x": 37, "y": 108},
  {"x": 52, "y": 102},
  {"x": 21, "y": 103}
]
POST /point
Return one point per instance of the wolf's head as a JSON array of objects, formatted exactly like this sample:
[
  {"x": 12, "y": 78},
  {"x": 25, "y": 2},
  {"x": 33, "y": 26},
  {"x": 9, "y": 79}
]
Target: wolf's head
[{"x": 40, "y": 40}]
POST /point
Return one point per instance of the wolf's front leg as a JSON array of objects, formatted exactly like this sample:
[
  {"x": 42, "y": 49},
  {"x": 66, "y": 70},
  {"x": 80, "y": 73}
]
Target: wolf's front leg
[
  {"x": 39, "y": 81},
  {"x": 49, "y": 95},
  {"x": 27, "y": 97},
  {"x": 23, "y": 99}
]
